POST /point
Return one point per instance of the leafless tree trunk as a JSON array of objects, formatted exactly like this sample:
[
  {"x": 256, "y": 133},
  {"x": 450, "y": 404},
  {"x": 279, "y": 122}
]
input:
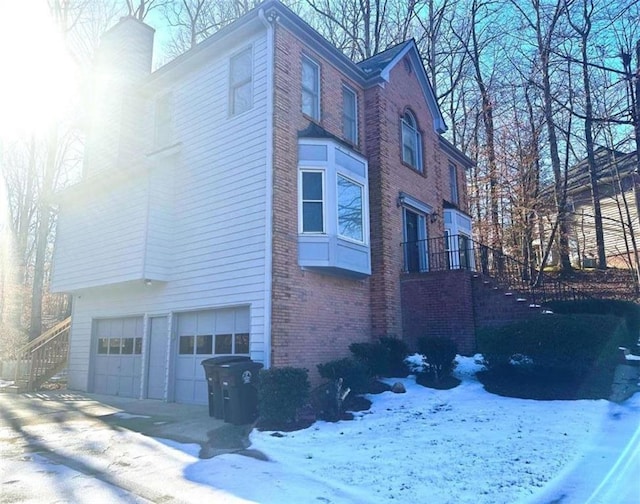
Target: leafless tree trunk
[{"x": 584, "y": 32}]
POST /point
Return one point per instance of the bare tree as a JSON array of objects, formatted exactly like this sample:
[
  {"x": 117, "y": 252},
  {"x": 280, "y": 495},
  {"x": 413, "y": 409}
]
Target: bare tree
[
  {"x": 583, "y": 29},
  {"x": 192, "y": 21}
]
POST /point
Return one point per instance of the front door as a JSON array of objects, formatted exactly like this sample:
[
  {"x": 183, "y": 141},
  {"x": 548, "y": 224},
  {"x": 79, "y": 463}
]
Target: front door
[{"x": 415, "y": 233}]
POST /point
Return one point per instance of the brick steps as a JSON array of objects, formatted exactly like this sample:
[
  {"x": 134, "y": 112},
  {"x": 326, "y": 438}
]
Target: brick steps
[{"x": 495, "y": 306}]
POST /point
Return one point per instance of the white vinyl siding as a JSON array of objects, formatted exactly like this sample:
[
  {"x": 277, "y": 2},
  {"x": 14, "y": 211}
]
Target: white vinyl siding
[
  {"x": 163, "y": 120},
  {"x": 206, "y": 214},
  {"x": 101, "y": 237}
]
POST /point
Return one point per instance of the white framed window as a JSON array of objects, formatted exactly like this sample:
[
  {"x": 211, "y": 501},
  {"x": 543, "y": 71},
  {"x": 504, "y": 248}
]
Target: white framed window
[
  {"x": 453, "y": 182},
  {"x": 163, "y": 120},
  {"x": 333, "y": 209},
  {"x": 310, "y": 88},
  {"x": 411, "y": 142},
  {"x": 312, "y": 191},
  {"x": 350, "y": 114},
  {"x": 350, "y": 209},
  {"x": 241, "y": 82}
]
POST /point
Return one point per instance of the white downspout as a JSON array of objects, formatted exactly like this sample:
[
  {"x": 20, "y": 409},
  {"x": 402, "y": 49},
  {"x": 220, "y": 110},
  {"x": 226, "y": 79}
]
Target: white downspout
[{"x": 268, "y": 232}]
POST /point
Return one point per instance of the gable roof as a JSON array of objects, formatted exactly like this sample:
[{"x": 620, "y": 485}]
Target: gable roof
[
  {"x": 608, "y": 161},
  {"x": 370, "y": 72},
  {"x": 379, "y": 67}
]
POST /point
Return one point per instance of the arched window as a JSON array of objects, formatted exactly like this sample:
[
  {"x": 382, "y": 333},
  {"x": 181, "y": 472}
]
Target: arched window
[{"x": 411, "y": 142}]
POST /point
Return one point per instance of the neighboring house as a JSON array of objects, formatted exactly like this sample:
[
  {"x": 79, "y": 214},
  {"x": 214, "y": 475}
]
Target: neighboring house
[
  {"x": 618, "y": 186},
  {"x": 261, "y": 195}
]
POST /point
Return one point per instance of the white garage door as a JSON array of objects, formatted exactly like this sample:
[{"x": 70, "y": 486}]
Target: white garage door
[
  {"x": 118, "y": 356},
  {"x": 201, "y": 335}
]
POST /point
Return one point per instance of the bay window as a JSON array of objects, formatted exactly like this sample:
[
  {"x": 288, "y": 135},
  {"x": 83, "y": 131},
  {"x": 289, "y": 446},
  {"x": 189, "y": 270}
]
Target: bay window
[{"x": 333, "y": 209}]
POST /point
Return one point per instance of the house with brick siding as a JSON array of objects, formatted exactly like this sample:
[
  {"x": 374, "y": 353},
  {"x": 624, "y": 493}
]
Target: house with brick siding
[{"x": 260, "y": 195}]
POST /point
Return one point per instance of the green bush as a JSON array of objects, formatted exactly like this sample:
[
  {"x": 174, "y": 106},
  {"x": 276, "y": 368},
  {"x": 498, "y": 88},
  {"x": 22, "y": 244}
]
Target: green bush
[
  {"x": 397, "y": 352},
  {"x": 372, "y": 355},
  {"x": 627, "y": 310},
  {"x": 281, "y": 392},
  {"x": 383, "y": 358},
  {"x": 439, "y": 353},
  {"x": 573, "y": 343},
  {"x": 354, "y": 373}
]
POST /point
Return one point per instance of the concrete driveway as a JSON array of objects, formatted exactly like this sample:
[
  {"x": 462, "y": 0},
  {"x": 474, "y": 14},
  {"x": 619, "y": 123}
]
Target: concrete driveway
[{"x": 43, "y": 444}]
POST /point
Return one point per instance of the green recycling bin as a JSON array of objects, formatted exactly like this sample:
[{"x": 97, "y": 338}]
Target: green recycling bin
[
  {"x": 238, "y": 381},
  {"x": 211, "y": 368}
]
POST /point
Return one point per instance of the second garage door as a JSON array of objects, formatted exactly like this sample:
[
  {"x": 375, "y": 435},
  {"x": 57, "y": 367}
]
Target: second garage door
[{"x": 201, "y": 335}]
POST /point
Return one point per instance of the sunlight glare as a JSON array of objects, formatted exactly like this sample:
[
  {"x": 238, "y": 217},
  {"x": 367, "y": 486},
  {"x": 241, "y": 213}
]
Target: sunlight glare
[{"x": 38, "y": 74}]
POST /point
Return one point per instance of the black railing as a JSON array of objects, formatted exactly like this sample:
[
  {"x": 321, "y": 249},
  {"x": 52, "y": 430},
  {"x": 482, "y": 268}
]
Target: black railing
[{"x": 455, "y": 252}]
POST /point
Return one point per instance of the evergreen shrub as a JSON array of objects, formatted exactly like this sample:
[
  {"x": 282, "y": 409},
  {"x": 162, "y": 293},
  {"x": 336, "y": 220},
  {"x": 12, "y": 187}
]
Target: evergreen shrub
[
  {"x": 281, "y": 392},
  {"x": 572, "y": 343},
  {"x": 439, "y": 354},
  {"x": 354, "y": 373},
  {"x": 627, "y": 310},
  {"x": 383, "y": 358}
]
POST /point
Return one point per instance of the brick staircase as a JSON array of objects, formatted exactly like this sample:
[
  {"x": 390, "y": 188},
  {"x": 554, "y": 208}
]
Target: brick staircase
[
  {"x": 41, "y": 359},
  {"x": 462, "y": 291},
  {"x": 494, "y": 305}
]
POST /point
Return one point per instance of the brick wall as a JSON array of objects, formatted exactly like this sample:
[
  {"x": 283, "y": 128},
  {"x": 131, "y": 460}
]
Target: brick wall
[
  {"x": 455, "y": 304},
  {"x": 439, "y": 304},
  {"x": 314, "y": 316},
  {"x": 388, "y": 177},
  {"x": 494, "y": 307}
]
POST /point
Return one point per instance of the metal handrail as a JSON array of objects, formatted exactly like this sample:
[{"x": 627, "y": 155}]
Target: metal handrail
[{"x": 459, "y": 252}]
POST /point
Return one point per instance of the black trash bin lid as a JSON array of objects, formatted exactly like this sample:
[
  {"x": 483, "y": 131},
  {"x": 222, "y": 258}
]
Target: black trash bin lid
[{"x": 224, "y": 359}]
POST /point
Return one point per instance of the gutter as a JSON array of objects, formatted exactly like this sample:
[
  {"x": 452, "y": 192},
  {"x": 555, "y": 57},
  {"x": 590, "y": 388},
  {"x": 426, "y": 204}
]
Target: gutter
[{"x": 268, "y": 231}]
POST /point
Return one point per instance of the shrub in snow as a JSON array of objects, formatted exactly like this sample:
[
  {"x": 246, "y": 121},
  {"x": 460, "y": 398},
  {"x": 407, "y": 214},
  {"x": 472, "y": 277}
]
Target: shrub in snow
[
  {"x": 439, "y": 355},
  {"x": 415, "y": 363},
  {"x": 384, "y": 358},
  {"x": 574, "y": 344},
  {"x": 327, "y": 400},
  {"x": 281, "y": 392},
  {"x": 353, "y": 372},
  {"x": 521, "y": 360},
  {"x": 371, "y": 355},
  {"x": 627, "y": 310},
  {"x": 397, "y": 351}
]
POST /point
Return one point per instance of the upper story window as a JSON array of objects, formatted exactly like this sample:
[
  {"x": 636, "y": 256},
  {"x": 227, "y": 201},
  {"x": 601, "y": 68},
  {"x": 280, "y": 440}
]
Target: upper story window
[
  {"x": 163, "y": 120},
  {"x": 310, "y": 88},
  {"x": 411, "y": 142},
  {"x": 453, "y": 182},
  {"x": 240, "y": 82},
  {"x": 350, "y": 114}
]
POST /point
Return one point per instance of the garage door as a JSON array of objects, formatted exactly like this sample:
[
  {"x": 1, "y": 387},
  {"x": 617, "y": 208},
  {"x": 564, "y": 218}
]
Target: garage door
[
  {"x": 118, "y": 356},
  {"x": 201, "y": 335}
]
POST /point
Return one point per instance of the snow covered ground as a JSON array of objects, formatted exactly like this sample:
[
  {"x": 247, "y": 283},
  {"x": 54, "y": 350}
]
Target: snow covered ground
[{"x": 457, "y": 446}]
